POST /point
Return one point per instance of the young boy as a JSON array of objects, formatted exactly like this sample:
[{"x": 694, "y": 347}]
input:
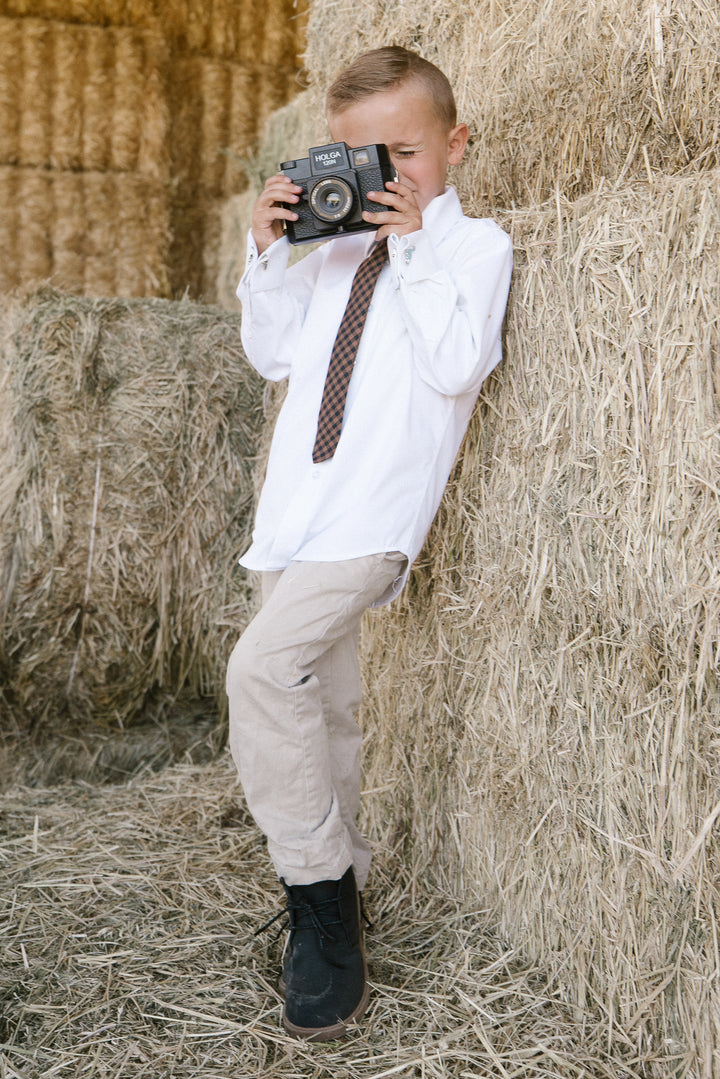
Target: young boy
[{"x": 337, "y": 528}]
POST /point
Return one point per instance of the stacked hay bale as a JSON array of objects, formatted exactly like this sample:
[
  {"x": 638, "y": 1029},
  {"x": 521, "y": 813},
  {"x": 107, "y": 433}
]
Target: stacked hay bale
[
  {"x": 83, "y": 158},
  {"x": 543, "y": 700},
  {"x": 121, "y": 127},
  {"x": 233, "y": 66},
  {"x": 127, "y": 435}
]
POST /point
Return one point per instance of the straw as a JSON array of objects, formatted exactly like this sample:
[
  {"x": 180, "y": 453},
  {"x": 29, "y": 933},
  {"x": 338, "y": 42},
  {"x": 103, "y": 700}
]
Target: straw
[
  {"x": 131, "y": 914},
  {"x": 131, "y": 428}
]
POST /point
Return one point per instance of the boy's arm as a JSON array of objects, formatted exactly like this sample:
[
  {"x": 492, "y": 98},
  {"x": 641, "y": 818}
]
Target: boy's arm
[
  {"x": 274, "y": 298},
  {"x": 454, "y": 312}
]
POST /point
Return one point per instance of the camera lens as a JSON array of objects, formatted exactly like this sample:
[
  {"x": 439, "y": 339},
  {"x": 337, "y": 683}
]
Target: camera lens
[{"x": 331, "y": 199}]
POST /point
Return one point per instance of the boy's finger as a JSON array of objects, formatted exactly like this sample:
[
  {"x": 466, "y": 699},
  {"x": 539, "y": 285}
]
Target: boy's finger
[
  {"x": 280, "y": 187},
  {"x": 284, "y": 213},
  {"x": 385, "y": 198}
]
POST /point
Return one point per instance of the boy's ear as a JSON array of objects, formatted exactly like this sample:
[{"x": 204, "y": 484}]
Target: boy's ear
[{"x": 457, "y": 141}]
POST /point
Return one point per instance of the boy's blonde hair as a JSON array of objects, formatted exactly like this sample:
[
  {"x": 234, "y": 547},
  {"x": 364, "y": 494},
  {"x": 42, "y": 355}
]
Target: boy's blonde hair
[{"x": 386, "y": 68}]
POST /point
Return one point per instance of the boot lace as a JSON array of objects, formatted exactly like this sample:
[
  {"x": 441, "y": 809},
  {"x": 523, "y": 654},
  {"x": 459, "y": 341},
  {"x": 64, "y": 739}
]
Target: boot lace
[{"x": 302, "y": 907}]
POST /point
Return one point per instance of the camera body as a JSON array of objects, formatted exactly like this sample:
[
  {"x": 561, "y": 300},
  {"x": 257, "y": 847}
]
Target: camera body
[{"x": 335, "y": 180}]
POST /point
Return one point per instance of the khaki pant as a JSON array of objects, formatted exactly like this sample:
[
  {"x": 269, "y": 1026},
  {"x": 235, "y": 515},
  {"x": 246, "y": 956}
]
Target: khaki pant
[{"x": 293, "y": 684}]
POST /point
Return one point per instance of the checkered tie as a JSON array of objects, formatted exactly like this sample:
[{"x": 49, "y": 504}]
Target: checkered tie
[{"x": 344, "y": 351}]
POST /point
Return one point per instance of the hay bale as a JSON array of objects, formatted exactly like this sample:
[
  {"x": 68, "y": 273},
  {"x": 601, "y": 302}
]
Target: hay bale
[
  {"x": 221, "y": 106},
  {"x": 177, "y": 95},
  {"x": 128, "y": 432},
  {"x": 98, "y": 94},
  {"x": 543, "y": 701},
  {"x": 214, "y": 121},
  {"x": 563, "y": 96},
  {"x": 10, "y": 81},
  {"x": 154, "y": 890},
  {"x": 103, "y": 233},
  {"x": 98, "y": 12},
  {"x": 240, "y": 31},
  {"x": 83, "y": 97},
  {"x": 225, "y": 29}
]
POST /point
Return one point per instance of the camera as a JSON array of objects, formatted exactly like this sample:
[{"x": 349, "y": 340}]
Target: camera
[{"x": 335, "y": 180}]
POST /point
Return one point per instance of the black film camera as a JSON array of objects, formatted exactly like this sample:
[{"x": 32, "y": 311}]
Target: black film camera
[{"x": 335, "y": 180}]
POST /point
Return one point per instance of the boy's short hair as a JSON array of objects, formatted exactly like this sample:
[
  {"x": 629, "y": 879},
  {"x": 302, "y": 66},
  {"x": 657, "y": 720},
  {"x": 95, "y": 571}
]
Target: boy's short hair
[{"x": 386, "y": 68}]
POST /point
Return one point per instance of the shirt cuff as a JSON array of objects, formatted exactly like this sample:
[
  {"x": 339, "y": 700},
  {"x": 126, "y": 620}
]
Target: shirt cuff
[
  {"x": 267, "y": 270},
  {"x": 412, "y": 257}
]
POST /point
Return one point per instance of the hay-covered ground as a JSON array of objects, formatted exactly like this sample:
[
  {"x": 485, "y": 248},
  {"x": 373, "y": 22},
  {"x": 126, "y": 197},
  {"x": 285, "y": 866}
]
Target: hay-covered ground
[{"x": 128, "y": 916}]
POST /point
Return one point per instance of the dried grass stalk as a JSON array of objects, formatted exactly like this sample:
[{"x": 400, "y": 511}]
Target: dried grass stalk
[{"x": 124, "y": 503}]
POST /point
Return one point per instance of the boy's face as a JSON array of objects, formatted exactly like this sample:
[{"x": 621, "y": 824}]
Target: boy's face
[{"x": 420, "y": 146}]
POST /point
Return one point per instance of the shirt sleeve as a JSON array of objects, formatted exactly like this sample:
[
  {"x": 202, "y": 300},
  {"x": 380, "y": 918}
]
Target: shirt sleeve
[
  {"x": 275, "y": 300},
  {"x": 454, "y": 313}
]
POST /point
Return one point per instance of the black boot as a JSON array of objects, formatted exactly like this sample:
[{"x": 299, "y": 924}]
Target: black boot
[{"x": 324, "y": 976}]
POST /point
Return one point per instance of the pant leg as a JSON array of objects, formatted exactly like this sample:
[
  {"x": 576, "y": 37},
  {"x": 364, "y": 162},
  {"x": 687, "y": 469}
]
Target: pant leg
[
  {"x": 338, "y": 674},
  {"x": 282, "y": 726}
]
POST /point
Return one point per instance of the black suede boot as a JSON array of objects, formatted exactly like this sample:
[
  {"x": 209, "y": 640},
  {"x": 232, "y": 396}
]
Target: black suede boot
[{"x": 324, "y": 975}]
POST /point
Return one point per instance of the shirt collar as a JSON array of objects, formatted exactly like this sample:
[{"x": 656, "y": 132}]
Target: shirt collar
[{"x": 442, "y": 212}]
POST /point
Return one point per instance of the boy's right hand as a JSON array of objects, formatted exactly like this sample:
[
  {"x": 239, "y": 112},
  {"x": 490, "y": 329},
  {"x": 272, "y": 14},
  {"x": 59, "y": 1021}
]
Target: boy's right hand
[{"x": 270, "y": 210}]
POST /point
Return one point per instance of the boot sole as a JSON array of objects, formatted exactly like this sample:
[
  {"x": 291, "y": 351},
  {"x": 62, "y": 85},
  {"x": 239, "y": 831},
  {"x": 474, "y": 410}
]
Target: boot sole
[{"x": 332, "y": 1033}]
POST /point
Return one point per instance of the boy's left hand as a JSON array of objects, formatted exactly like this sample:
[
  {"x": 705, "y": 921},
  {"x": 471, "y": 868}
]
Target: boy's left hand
[{"x": 403, "y": 216}]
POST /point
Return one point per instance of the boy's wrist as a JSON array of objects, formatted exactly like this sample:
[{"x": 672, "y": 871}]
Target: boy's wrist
[
  {"x": 264, "y": 270},
  {"x": 412, "y": 256}
]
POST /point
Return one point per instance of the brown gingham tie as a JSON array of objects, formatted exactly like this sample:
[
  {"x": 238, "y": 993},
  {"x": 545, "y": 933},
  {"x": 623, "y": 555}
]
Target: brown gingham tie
[{"x": 344, "y": 351}]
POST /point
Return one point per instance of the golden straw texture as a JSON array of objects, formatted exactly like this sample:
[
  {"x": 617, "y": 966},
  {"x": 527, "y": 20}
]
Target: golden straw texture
[
  {"x": 130, "y": 916},
  {"x": 129, "y": 430},
  {"x": 544, "y": 699}
]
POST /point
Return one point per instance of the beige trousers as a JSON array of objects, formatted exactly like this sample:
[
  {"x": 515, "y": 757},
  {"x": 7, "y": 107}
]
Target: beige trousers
[{"x": 293, "y": 685}]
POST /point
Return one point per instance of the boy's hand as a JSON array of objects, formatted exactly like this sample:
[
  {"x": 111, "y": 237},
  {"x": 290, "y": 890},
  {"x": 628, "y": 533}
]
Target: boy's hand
[
  {"x": 403, "y": 216},
  {"x": 269, "y": 212}
]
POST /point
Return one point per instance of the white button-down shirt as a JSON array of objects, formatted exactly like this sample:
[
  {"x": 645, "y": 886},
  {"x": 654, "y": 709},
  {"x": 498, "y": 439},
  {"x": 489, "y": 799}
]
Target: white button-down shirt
[{"x": 432, "y": 335}]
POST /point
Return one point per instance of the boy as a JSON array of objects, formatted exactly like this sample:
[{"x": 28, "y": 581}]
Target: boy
[{"x": 340, "y": 521}]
